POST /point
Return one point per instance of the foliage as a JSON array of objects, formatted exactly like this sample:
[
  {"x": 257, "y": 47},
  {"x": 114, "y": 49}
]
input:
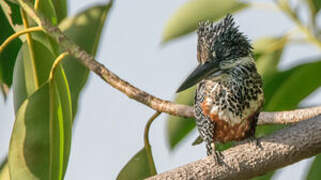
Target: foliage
[
  {"x": 45, "y": 106},
  {"x": 46, "y": 96},
  {"x": 187, "y": 17},
  {"x": 137, "y": 167}
]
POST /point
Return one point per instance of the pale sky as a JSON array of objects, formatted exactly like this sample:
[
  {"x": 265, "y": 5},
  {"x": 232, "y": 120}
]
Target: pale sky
[{"x": 109, "y": 126}]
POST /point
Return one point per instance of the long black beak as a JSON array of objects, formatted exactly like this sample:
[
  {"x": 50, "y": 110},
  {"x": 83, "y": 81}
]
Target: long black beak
[{"x": 202, "y": 71}]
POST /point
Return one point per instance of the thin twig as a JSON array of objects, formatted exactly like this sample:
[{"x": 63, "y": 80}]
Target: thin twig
[
  {"x": 87, "y": 60},
  {"x": 36, "y": 6},
  {"x": 17, "y": 34},
  {"x": 147, "y": 144},
  {"x": 56, "y": 62},
  {"x": 31, "y": 52},
  {"x": 135, "y": 93},
  {"x": 285, "y": 7}
]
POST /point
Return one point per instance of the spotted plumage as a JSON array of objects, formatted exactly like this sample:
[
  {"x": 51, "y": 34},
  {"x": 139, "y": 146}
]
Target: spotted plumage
[
  {"x": 229, "y": 93},
  {"x": 226, "y": 108}
]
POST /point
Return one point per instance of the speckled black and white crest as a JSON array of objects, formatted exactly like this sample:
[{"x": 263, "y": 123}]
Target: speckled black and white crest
[{"x": 221, "y": 41}]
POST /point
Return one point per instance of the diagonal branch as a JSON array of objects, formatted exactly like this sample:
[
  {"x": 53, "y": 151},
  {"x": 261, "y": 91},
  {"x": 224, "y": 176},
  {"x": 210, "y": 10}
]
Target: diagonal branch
[
  {"x": 247, "y": 160},
  {"x": 89, "y": 61},
  {"x": 139, "y": 95}
]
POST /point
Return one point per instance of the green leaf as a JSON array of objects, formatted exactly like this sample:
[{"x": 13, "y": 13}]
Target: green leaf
[
  {"x": 3, "y": 163},
  {"x": 61, "y": 9},
  {"x": 315, "y": 6},
  {"x": 12, "y": 13},
  {"x": 84, "y": 29},
  {"x": 41, "y": 136},
  {"x": 42, "y": 132},
  {"x": 137, "y": 167},
  {"x": 9, "y": 54},
  {"x": 47, "y": 41},
  {"x": 25, "y": 72},
  {"x": 314, "y": 172},
  {"x": 48, "y": 9},
  {"x": 288, "y": 88},
  {"x": 4, "y": 172},
  {"x": 267, "y": 53},
  {"x": 197, "y": 141},
  {"x": 60, "y": 123},
  {"x": 285, "y": 90},
  {"x": 187, "y": 17},
  {"x": 178, "y": 127}
]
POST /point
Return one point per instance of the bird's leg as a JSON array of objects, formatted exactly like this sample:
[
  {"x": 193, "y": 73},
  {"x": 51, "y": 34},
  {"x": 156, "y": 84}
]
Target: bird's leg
[
  {"x": 251, "y": 135},
  {"x": 255, "y": 141},
  {"x": 217, "y": 155}
]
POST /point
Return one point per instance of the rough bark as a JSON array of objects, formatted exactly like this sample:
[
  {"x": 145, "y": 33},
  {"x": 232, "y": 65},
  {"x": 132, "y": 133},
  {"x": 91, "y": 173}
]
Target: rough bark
[{"x": 285, "y": 147}]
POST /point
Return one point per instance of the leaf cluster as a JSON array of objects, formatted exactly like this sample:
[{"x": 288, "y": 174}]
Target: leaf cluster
[{"x": 46, "y": 92}]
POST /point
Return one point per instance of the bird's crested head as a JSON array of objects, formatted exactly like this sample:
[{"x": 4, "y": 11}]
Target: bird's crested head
[
  {"x": 221, "y": 41},
  {"x": 221, "y": 47}
]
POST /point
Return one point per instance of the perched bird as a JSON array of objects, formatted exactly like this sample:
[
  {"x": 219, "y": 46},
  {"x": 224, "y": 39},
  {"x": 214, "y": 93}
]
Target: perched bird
[{"x": 229, "y": 94}]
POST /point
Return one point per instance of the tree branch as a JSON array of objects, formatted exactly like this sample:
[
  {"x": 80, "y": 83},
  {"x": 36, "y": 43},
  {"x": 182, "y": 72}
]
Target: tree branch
[
  {"x": 89, "y": 61},
  {"x": 287, "y": 146},
  {"x": 135, "y": 93},
  {"x": 288, "y": 117}
]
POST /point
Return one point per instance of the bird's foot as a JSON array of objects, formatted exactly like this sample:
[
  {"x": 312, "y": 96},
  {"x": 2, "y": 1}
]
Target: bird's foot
[
  {"x": 217, "y": 155},
  {"x": 255, "y": 141}
]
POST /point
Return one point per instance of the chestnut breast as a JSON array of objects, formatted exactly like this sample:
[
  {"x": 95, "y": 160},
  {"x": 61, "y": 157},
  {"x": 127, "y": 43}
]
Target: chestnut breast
[{"x": 231, "y": 108}]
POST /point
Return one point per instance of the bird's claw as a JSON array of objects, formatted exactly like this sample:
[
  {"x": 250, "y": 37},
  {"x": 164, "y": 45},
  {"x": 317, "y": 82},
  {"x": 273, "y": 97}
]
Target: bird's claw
[
  {"x": 255, "y": 141},
  {"x": 217, "y": 155}
]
